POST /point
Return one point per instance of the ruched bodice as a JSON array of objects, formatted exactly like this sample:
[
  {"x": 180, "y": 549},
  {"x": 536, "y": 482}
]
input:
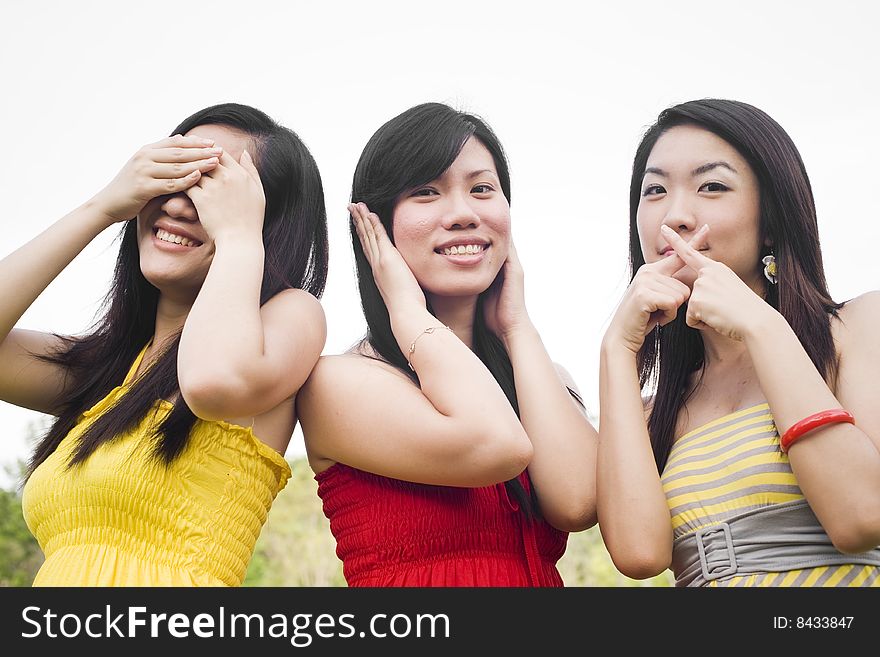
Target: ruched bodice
[
  {"x": 124, "y": 518},
  {"x": 396, "y": 533}
]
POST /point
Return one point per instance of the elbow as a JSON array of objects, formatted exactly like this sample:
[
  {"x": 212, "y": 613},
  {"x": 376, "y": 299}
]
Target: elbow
[
  {"x": 500, "y": 456},
  {"x": 641, "y": 565},
  {"x": 639, "y": 557},
  {"x": 572, "y": 511},
  {"x": 860, "y": 533},
  {"x": 215, "y": 396},
  {"x": 573, "y": 520}
]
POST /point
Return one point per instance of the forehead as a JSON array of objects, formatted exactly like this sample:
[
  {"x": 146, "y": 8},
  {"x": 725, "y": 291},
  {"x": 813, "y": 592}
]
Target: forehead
[
  {"x": 232, "y": 141},
  {"x": 474, "y": 156},
  {"x": 688, "y": 146}
]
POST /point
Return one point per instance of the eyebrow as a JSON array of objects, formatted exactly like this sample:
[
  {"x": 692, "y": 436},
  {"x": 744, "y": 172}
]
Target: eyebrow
[
  {"x": 712, "y": 165},
  {"x": 474, "y": 174},
  {"x": 705, "y": 168}
]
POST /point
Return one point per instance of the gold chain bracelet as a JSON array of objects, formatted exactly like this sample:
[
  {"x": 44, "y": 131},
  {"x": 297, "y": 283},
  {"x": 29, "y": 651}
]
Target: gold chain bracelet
[{"x": 412, "y": 346}]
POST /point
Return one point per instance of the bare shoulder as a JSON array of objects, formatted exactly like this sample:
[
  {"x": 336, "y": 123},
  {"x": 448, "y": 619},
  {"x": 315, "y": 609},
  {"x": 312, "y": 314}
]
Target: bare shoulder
[
  {"x": 567, "y": 379},
  {"x": 297, "y": 301},
  {"x": 347, "y": 372},
  {"x": 857, "y": 320},
  {"x": 295, "y": 318},
  {"x": 565, "y": 375}
]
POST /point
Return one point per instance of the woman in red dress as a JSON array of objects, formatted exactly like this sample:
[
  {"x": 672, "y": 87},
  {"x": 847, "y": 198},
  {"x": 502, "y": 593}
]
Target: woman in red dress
[{"x": 434, "y": 467}]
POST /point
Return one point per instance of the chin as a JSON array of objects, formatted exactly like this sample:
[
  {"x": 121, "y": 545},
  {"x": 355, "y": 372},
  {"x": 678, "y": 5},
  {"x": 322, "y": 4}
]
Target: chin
[
  {"x": 453, "y": 291},
  {"x": 167, "y": 279}
]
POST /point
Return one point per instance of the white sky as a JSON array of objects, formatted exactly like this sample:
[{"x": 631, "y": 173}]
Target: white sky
[{"x": 568, "y": 86}]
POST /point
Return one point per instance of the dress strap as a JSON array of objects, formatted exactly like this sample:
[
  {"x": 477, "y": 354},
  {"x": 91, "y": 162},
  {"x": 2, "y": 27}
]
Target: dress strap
[{"x": 136, "y": 364}]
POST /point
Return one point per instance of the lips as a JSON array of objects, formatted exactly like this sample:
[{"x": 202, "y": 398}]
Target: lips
[
  {"x": 462, "y": 247},
  {"x": 172, "y": 234}
]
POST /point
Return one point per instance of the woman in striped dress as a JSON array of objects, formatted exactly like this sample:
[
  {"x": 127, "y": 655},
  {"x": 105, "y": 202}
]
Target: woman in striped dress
[{"x": 756, "y": 461}]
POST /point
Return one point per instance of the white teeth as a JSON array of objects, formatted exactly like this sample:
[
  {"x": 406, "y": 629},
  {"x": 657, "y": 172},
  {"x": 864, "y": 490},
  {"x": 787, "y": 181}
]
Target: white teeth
[
  {"x": 463, "y": 249},
  {"x": 165, "y": 236}
]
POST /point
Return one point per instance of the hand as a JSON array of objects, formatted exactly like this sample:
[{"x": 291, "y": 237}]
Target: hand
[
  {"x": 719, "y": 300},
  {"x": 504, "y": 307},
  {"x": 169, "y": 166},
  {"x": 653, "y": 297},
  {"x": 395, "y": 280},
  {"x": 230, "y": 200}
]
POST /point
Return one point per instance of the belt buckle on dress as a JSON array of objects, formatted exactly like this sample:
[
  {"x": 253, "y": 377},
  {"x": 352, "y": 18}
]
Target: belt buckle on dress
[{"x": 731, "y": 569}]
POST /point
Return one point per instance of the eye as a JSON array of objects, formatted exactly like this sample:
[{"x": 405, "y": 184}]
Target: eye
[
  {"x": 714, "y": 187},
  {"x": 653, "y": 190},
  {"x": 482, "y": 188},
  {"x": 424, "y": 191}
]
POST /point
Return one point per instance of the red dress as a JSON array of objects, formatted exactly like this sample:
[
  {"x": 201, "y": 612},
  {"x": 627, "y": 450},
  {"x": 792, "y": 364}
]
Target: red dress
[{"x": 397, "y": 533}]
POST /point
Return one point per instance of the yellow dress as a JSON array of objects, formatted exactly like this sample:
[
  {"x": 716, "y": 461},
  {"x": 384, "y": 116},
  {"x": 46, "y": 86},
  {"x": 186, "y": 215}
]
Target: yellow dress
[{"x": 124, "y": 518}]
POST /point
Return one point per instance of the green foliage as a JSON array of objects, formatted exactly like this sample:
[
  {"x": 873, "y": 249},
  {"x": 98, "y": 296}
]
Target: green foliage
[
  {"x": 20, "y": 555},
  {"x": 296, "y": 547}
]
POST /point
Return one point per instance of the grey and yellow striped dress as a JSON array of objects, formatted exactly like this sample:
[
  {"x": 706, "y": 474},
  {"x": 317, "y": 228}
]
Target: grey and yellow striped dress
[{"x": 733, "y": 465}]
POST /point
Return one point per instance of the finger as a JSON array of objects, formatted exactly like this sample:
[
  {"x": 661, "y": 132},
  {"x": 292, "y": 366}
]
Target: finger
[
  {"x": 247, "y": 162},
  {"x": 226, "y": 160},
  {"x": 665, "y": 309},
  {"x": 672, "y": 263},
  {"x": 698, "y": 239},
  {"x": 162, "y": 187},
  {"x": 165, "y": 170},
  {"x": 694, "y": 318},
  {"x": 513, "y": 256},
  {"x": 361, "y": 231},
  {"x": 188, "y": 141},
  {"x": 183, "y": 153},
  {"x": 674, "y": 287},
  {"x": 692, "y": 258},
  {"x": 371, "y": 220},
  {"x": 378, "y": 229}
]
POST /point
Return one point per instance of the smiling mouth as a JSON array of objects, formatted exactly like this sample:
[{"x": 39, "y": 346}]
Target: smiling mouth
[
  {"x": 171, "y": 238},
  {"x": 462, "y": 249}
]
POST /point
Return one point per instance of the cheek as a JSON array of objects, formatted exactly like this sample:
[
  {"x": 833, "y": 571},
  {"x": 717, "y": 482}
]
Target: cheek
[
  {"x": 498, "y": 222},
  {"x": 646, "y": 234},
  {"x": 412, "y": 231}
]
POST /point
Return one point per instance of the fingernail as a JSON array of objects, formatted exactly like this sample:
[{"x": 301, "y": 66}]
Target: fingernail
[
  {"x": 216, "y": 150},
  {"x": 209, "y": 142}
]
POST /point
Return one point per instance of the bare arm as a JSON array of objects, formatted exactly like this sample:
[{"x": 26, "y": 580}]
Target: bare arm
[
  {"x": 633, "y": 513},
  {"x": 24, "y": 274},
  {"x": 237, "y": 359},
  {"x": 564, "y": 463},
  {"x": 838, "y": 465}
]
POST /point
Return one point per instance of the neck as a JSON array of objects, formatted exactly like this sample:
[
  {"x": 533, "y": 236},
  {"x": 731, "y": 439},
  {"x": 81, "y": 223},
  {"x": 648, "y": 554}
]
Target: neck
[
  {"x": 458, "y": 314},
  {"x": 171, "y": 314},
  {"x": 721, "y": 350}
]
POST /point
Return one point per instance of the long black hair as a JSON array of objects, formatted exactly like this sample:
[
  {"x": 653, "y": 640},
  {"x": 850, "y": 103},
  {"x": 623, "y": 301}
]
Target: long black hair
[
  {"x": 412, "y": 149},
  {"x": 296, "y": 254},
  {"x": 671, "y": 355}
]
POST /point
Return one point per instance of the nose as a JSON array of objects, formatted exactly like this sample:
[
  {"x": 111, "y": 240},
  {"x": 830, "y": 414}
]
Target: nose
[
  {"x": 679, "y": 215},
  {"x": 179, "y": 206},
  {"x": 460, "y": 213}
]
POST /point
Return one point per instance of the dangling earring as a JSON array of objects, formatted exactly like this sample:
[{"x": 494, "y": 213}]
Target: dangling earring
[{"x": 770, "y": 267}]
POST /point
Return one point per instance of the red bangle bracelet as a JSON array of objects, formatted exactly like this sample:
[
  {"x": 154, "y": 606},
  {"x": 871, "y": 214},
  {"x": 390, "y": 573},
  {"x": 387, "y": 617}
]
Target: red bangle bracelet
[{"x": 814, "y": 421}]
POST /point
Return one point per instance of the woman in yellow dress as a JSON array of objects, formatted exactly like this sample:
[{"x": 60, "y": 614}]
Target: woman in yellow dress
[
  {"x": 174, "y": 412},
  {"x": 756, "y": 461}
]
